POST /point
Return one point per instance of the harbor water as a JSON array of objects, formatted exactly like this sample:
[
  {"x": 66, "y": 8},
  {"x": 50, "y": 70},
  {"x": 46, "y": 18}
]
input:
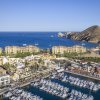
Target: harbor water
[{"x": 48, "y": 96}]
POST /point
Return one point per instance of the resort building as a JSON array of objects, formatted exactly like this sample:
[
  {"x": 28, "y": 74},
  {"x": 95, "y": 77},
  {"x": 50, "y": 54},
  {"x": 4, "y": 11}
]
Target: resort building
[
  {"x": 4, "y": 78},
  {"x": 16, "y": 49},
  {"x": 63, "y": 49},
  {"x": 11, "y": 49}
]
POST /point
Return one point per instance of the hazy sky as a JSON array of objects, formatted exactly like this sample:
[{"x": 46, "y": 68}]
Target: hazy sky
[{"x": 48, "y": 15}]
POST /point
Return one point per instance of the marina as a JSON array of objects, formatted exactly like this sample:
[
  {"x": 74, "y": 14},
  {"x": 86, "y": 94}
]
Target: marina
[
  {"x": 58, "y": 86},
  {"x": 61, "y": 91},
  {"x": 77, "y": 81},
  {"x": 20, "y": 94},
  {"x": 71, "y": 88}
]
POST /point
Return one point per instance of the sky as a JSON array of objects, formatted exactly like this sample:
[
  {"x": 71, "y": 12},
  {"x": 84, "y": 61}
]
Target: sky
[{"x": 48, "y": 15}]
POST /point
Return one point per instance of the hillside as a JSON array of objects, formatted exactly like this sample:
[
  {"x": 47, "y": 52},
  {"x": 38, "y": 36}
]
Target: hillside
[{"x": 91, "y": 34}]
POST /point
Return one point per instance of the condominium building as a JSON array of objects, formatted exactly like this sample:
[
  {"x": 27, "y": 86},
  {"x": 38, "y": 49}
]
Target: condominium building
[
  {"x": 62, "y": 49},
  {"x": 16, "y": 49},
  {"x": 79, "y": 49},
  {"x": 11, "y": 49},
  {"x": 29, "y": 48}
]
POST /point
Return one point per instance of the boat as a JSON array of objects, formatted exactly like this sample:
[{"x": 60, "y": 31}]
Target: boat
[
  {"x": 36, "y": 44},
  {"x": 52, "y": 88},
  {"x": 20, "y": 94},
  {"x": 95, "y": 88},
  {"x": 76, "y": 81},
  {"x": 51, "y": 36},
  {"x": 24, "y": 44},
  {"x": 9, "y": 94}
]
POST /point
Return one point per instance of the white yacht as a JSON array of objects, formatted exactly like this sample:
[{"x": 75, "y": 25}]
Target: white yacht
[
  {"x": 24, "y": 44},
  {"x": 36, "y": 44}
]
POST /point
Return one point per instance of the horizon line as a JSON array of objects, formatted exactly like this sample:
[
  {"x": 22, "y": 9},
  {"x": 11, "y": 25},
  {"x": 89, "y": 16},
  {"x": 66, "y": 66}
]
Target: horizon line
[{"x": 39, "y": 31}]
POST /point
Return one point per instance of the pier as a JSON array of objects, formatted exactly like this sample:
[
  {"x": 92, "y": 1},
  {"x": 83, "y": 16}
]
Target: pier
[
  {"x": 2, "y": 91},
  {"x": 87, "y": 76}
]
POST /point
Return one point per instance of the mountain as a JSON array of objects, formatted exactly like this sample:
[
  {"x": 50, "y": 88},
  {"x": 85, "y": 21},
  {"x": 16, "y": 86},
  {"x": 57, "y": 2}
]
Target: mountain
[{"x": 91, "y": 34}]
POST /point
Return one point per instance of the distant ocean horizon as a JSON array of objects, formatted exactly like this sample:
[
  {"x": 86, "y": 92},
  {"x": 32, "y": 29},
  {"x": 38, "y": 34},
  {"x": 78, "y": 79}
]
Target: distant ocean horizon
[{"x": 43, "y": 40}]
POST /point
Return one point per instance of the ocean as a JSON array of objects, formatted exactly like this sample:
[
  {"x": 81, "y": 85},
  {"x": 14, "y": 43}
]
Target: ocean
[{"x": 43, "y": 39}]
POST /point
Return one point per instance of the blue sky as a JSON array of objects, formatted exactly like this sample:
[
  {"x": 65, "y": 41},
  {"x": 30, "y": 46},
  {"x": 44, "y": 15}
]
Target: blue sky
[{"x": 48, "y": 15}]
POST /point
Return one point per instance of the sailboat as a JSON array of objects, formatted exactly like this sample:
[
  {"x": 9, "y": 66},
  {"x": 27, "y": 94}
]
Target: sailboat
[
  {"x": 83, "y": 44},
  {"x": 24, "y": 44},
  {"x": 36, "y": 44},
  {"x": 51, "y": 36},
  {"x": 50, "y": 45}
]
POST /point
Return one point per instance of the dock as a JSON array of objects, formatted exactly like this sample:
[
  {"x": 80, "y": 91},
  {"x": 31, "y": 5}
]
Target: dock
[{"x": 91, "y": 77}]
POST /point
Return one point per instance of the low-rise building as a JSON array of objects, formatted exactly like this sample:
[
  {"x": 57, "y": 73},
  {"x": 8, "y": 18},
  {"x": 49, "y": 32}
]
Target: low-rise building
[
  {"x": 4, "y": 80},
  {"x": 22, "y": 73},
  {"x": 95, "y": 50},
  {"x": 8, "y": 60},
  {"x": 4, "y": 77},
  {"x": 47, "y": 56}
]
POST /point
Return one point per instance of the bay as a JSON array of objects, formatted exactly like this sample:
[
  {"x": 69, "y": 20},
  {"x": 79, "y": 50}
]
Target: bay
[{"x": 43, "y": 39}]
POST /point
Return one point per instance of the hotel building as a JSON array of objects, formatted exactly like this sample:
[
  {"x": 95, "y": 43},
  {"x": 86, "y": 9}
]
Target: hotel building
[
  {"x": 62, "y": 49},
  {"x": 16, "y": 49}
]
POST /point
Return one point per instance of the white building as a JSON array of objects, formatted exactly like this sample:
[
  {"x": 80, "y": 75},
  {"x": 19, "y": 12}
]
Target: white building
[
  {"x": 4, "y": 80},
  {"x": 19, "y": 65},
  {"x": 5, "y": 60}
]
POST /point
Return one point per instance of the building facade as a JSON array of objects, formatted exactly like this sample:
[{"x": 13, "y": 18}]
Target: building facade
[
  {"x": 22, "y": 73},
  {"x": 63, "y": 49},
  {"x": 16, "y": 49},
  {"x": 4, "y": 77}
]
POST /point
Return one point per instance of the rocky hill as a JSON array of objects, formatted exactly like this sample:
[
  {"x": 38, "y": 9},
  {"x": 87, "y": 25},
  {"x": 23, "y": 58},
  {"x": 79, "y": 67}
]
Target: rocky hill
[{"x": 91, "y": 34}]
